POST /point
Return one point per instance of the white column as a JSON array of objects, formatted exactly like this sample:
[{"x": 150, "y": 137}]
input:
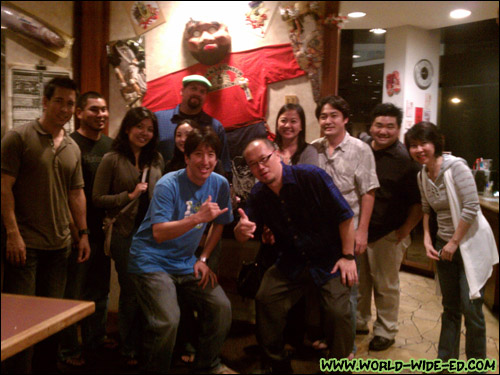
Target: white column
[{"x": 405, "y": 46}]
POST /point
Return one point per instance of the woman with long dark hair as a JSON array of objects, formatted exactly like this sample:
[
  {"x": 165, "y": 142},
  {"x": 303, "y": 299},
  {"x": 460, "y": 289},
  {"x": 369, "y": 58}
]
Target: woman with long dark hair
[
  {"x": 182, "y": 130},
  {"x": 123, "y": 185},
  {"x": 291, "y": 136}
]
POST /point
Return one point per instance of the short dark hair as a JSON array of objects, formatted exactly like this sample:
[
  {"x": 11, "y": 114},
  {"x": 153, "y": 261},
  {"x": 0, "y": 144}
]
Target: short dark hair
[
  {"x": 81, "y": 102},
  {"x": 336, "y": 102},
  {"x": 426, "y": 132},
  {"x": 387, "y": 109},
  {"x": 301, "y": 139},
  {"x": 202, "y": 136},
  {"x": 121, "y": 144},
  {"x": 60, "y": 81}
]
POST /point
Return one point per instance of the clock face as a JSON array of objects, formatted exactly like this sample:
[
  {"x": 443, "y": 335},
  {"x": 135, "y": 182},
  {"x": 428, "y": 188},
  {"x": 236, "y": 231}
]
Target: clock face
[{"x": 423, "y": 73}]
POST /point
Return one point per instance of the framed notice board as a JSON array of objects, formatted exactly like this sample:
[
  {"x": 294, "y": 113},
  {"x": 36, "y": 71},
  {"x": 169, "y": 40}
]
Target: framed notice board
[{"x": 25, "y": 92}]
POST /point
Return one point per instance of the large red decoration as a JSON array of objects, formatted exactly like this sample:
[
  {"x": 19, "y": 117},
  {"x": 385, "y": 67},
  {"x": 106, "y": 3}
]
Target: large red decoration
[{"x": 239, "y": 94}]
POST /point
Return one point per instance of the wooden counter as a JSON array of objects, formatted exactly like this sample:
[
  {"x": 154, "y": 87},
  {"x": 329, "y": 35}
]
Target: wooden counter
[
  {"x": 490, "y": 204},
  {"x": 27, "y": 320}
]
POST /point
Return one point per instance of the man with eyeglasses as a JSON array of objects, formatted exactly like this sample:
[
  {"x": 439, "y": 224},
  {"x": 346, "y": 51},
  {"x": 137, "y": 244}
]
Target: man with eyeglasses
[{"x": 313, "y": 230}]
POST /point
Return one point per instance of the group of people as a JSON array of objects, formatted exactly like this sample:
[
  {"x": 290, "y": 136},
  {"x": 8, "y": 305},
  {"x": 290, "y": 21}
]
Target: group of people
[{"x": 334, "y": 218}]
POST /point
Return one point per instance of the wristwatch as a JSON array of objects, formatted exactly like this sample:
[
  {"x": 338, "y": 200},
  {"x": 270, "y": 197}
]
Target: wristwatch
[
  {"x": 83, "y": 231},
  {"x": 348, "y": 256},
  {"x": 203, "y": 259}
]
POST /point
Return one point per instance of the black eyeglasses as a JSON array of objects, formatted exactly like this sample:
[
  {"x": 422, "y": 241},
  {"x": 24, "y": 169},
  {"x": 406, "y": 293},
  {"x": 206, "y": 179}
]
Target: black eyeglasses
[{"x": 262, "y": 161}]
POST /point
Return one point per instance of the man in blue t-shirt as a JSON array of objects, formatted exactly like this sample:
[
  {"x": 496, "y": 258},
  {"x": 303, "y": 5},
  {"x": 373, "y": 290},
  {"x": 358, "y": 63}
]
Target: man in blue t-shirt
[{"x": 162, "y": 260}]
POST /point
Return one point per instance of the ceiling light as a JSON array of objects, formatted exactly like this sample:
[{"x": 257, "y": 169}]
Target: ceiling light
[
  {"x": 460, "y": 13},
  {"x": 455, "y": 100},
  {"x": 356, "y": 14},
  {"x": 378, "y": 31},
  {"x": 356, "y": 56}
]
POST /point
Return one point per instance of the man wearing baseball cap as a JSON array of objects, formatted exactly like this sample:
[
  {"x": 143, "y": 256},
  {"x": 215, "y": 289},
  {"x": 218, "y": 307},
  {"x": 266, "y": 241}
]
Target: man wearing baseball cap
[{"x": 194, "y": 91}]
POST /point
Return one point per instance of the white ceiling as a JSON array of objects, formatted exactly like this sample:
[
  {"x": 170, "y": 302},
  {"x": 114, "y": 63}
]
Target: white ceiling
[{"x": 423, "y": 14}]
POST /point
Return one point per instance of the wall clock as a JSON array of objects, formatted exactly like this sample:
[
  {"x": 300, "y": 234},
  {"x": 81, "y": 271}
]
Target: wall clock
[{"x": 423, "y": 73}]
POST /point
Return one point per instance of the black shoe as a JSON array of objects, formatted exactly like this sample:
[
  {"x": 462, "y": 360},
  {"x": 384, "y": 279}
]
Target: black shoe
[
  {"x": 380, "y": 343},
  {"x": 362, "y": 331},
  {"x": 281, "y": 367}
]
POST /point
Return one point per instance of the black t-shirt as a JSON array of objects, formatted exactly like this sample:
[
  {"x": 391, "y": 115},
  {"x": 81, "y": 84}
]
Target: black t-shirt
[
  {"x": 92, "y": 153},
  {"x": 397, "y": 175}
]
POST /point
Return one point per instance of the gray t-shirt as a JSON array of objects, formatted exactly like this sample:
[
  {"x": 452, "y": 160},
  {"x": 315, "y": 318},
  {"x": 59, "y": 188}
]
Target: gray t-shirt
[{"x": 44, "y": 177}]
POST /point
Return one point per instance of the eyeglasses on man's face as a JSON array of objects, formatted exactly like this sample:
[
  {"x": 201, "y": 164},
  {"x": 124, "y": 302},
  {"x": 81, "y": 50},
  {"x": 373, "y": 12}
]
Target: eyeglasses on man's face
[{"x": 263, "y": 161}]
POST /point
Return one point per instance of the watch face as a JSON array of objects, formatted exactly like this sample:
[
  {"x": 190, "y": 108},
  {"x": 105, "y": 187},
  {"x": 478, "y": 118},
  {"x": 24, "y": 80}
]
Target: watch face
[{"x": 423, "y": 73}]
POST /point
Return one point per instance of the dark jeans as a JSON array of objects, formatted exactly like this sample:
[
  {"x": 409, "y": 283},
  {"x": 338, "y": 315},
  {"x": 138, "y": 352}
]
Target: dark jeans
[
  {"x": 131, "y": 320},
  {"x": 189, "y": 326},
  {"x": 456, "y": 302},
  {"x": 43, "y": 275},
  {"x": 157, "y": 294},
  {"x": 276, "y": 296},
  {"x": 87, "y": 281}
]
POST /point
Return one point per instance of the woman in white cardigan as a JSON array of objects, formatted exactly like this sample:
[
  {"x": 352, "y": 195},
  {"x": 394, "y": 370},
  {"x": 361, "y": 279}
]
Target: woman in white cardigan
[{"x": 465, "y": 250}]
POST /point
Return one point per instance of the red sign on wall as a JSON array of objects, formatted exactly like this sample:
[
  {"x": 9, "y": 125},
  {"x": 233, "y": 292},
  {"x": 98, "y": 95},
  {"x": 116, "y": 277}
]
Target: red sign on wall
[{"x": 418, "y": 114}]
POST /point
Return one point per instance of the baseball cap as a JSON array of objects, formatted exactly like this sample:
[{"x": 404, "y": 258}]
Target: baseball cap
[{"x": 196, "y": 78}]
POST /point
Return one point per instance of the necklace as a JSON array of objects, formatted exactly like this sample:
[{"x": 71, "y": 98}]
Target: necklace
[{"x": 436, "y": 167}]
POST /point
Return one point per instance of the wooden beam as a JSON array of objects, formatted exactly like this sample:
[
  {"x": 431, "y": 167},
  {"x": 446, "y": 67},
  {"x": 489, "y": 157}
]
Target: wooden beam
[
  {"x": 331, "y": 59},
  {"x": 90, "y": 62}
]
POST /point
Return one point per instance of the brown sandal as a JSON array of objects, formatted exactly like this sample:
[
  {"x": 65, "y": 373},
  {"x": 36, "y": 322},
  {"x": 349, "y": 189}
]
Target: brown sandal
[{"x": 76, "y": 361}]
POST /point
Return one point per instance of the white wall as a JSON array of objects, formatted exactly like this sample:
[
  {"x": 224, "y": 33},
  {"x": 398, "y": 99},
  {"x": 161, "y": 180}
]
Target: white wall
[
  {"x": 404, "y": 47},
  {"x": 19, "y": 51}
]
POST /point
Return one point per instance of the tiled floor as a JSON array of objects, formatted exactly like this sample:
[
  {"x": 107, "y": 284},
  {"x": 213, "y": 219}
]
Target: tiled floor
[
  {"x": 419, "y": 318},
  {"x": 419, "y": 326}
]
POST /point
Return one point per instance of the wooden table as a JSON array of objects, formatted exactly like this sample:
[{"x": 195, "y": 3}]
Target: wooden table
[{"x": 27, "y": 320}]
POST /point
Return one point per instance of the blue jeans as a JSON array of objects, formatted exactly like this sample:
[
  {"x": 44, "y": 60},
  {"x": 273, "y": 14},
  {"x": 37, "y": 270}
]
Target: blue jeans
[
  {"x": 43, "y": 275},
  {"x": 130, "y": 318},
  {"x": 157, "y": 295},
  {"x": 87, "y": 281},
  {"x": 456, "y": 302}
]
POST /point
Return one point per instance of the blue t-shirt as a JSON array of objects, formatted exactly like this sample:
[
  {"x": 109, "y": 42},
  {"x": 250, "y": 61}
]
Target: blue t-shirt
[{"x": 176, "y": 197}]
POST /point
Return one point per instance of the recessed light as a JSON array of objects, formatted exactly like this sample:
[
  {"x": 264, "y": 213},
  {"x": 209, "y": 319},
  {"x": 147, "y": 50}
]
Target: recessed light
[
  {"x": 356, "y": 14},
  {"x": 455, "y": 100},
  {"x": 356, "y": 56},
  {"x": 378, "y": 31},
  {"x": 460, "y": 13}
]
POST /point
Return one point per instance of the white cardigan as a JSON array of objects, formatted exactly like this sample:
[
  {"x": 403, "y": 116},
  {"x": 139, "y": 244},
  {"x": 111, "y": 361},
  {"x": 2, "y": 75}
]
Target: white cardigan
[{"x": 478, "y": 248}]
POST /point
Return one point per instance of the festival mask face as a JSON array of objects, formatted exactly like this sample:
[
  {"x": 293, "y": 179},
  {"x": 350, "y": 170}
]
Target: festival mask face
[{"x": 208, "y": 42}]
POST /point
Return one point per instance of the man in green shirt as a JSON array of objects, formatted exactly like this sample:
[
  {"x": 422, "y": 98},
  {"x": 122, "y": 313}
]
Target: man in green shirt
[{"x": 42, "y": 187}]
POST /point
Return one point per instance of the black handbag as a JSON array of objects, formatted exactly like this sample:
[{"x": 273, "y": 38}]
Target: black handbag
[
  {"x": 252, "y": 273},
  {"x": 249, "y": 279}
]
